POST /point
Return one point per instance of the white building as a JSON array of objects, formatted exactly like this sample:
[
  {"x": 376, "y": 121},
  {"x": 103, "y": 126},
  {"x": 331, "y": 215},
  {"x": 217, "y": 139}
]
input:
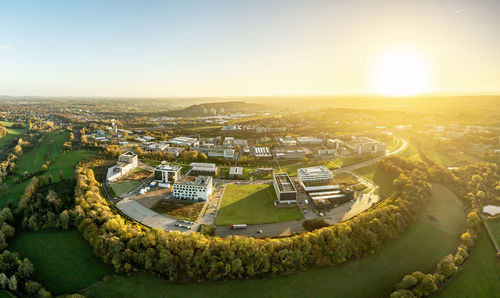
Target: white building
[
  {"x": 126, "y": 163},
  {"x": 198, "y": 189},
  {"x": 260, "y": 152},
  {"x": 365, "y": 145},
  {"x": 204, "y": 168},
  {"x": 288, "y": 141},
  {"x": 184, "y": 141},
  {"x": 167, "y": 174},
  {"x": 314, "y": 175},
  {"x": 289, "y": 154},
  {"x": 334, "y": 143},
  {"x": 309, "y": 141},
  {"x": 327, "y": 152}
]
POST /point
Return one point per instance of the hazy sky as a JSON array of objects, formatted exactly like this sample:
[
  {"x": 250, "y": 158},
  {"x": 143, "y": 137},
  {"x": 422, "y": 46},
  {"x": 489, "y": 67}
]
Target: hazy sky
[{"x": 225, "y": 48}]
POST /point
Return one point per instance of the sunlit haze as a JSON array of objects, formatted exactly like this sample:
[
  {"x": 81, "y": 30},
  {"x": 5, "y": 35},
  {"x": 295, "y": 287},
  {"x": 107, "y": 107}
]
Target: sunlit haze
[{"x": 245, "y": 48}]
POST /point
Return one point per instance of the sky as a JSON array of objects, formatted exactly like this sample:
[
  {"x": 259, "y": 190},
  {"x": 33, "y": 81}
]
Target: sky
[{"x": 245, "y": 48}]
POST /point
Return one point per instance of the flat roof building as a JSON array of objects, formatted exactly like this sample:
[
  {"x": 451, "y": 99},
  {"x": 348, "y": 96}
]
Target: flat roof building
[
  {"x": 195, "y": 189},
  {"x": 314, "y": 174},
  {"x": 236, "y": 172},
  {"x": 284, "y": 188},
  {"x": 204, "y": 168},
  {"x": 167, "y": 174}
]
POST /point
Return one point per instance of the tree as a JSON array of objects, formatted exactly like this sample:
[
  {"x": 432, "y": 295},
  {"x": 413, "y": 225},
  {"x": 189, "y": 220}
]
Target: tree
[
  {"x": 428, "y": 285},
  {"x": 43, "y": 168}
]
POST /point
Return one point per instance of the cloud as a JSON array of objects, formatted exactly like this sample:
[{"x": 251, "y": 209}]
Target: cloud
[
  {"x": 5, "y": 47},
  {"x": 460, "y": 10}
]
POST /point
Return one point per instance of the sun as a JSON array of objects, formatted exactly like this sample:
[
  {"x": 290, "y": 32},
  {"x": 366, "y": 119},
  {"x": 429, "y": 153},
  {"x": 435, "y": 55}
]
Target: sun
[{"x": 401, "y": 73}]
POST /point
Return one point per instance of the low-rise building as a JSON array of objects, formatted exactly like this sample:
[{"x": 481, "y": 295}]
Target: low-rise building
[
  {"x": 309, "y": 141},
  {"x": 320, "y": 174},
  {"x": 259, "y": 152},
  {"x": 204, "y": 168},
  {"x": 156, "y": 147},
  {"x": 236, "y": 172},
  {"x": 284, "y": 188},
  {"x": 167, "y": 174},
  {"x": 288, "y": 141},
  {"x": 184, "y": 141},
  {"x": 199, "y": 188},
  {"x": 327, "y": 152},
  {"x": 289, "y": 154}
]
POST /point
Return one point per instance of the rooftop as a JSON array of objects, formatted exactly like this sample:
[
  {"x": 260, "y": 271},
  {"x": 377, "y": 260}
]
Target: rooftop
[
  {"x": 315, "y": 170},
  {"x": 168, "y": 167},
  {"x": 284, "y": 183}
]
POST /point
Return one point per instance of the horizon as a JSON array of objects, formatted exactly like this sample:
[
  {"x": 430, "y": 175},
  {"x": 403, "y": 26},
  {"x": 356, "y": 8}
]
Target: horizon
[{"x": 159, "y": 49}]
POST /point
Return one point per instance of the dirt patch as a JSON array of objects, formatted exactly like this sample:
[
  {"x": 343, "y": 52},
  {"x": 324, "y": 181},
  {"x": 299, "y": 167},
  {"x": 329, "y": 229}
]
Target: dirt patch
[
  {"x": 186, "y": 210},
  {"x": 139, "y": 175},
  {"x": 150, "y": 198}
]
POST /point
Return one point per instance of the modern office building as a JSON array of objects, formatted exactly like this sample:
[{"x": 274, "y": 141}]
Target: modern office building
[
  {"x": 195, "y": 189},
  {"x": 365, "y": 145},
  {"x": 204, "y": 168},
  {"x": 284, "y": 188},
  {"x": 328, "y": 196},
  {"x": 309, "y": 141},
  {"x": 334, "y": 143},
  {"x": 167, "y": 174},
  {"x": 259, "y": 152},
  {"x": 320, "y": 174},
  {"x": 126, "y": 163},
  {"x": 184, "y": 141}
]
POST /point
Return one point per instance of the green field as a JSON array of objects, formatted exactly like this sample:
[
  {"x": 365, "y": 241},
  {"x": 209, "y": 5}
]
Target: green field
[
  {"x": 411, "y": 152},
  {"x": 494, "y": 225},
  {"x": 379, "y": 177},
  {"x": 480, "y": 275},
  {"x": 12, "y": 133},
  {"x": 64, "y": 163},
  {"x": 63, "y": 260},
  {"x": 252, "y": 204},
  {"x": 50, "y": 149},
  {"x": 433, "y": 236}
]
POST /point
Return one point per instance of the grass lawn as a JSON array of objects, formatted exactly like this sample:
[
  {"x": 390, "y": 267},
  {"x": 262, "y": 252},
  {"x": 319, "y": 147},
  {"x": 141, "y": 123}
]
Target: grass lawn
[
  {"x": 411, "y": 152},
  {"x": 345, "y": 178},
  {"x": 480, "y": 275},
  {"x": 187, "y": 210},
  {"x": 421, "y": 248},
  {"x": 132, "y": 180},
  {"x": 12, "y": 133},
  {"x": 379, "y": 177},
  {"x": 63, "y": 260},
  {"x": 394, "y": 144},
  {"x": 494, "y": 225},
  {"x": 252, "y": 204}
]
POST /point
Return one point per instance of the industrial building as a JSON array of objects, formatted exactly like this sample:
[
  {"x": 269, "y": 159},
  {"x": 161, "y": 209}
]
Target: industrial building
[
  {"x": 236, "y": 172},
  {"x": 167, "y": 174},
  {"x": 204, "y": 168},
  {"x": 309, "y": 141},
  {"x": 284, "y": 188},
  {"x": 320, "y": 174},
  {"x": 195, "y": 189},
  {"x": 259, "y": 152}
]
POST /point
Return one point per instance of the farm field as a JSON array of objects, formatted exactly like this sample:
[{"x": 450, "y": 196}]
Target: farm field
[
  {"x": 12, "y": 133},
  {"x": 63, "y": 260},
  {"x": 252, "y": 204},
  {"x": 427, "y": 241},
  {"x": 480, "y": 275},
  {"x": 186, "y": 210},
  {"x": 379, "y": 177}
]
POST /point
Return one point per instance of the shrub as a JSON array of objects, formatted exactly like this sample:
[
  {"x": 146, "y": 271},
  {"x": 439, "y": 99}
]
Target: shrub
[{"x": 314, "y": 224}]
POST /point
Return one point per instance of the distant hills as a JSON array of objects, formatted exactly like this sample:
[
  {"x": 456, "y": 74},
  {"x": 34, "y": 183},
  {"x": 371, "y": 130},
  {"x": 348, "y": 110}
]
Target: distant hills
[{"x": 218, "y": 108}]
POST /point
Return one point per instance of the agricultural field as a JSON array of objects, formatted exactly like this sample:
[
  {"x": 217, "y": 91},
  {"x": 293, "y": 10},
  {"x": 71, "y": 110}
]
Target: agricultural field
[
  {"x": 252, "y": 204},
  {"x": 433, "y": 236},
  {"x": 129, "y": 182},
  {"x": 379, "y": 177},
  {"x": 12, "y": 133},
  {"x": 64, "y": 262},
  {"x": 186, "y": 210},
  {"x": 480, "y": 275}
]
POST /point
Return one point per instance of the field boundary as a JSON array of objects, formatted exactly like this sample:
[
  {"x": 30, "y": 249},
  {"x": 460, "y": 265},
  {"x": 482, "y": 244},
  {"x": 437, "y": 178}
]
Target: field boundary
[{"x": 490, "y": 234}]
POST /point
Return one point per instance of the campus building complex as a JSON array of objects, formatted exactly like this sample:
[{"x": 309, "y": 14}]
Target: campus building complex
[
  {"x": 198, "y": 189},
  {"x": 204, "y": 168}
]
